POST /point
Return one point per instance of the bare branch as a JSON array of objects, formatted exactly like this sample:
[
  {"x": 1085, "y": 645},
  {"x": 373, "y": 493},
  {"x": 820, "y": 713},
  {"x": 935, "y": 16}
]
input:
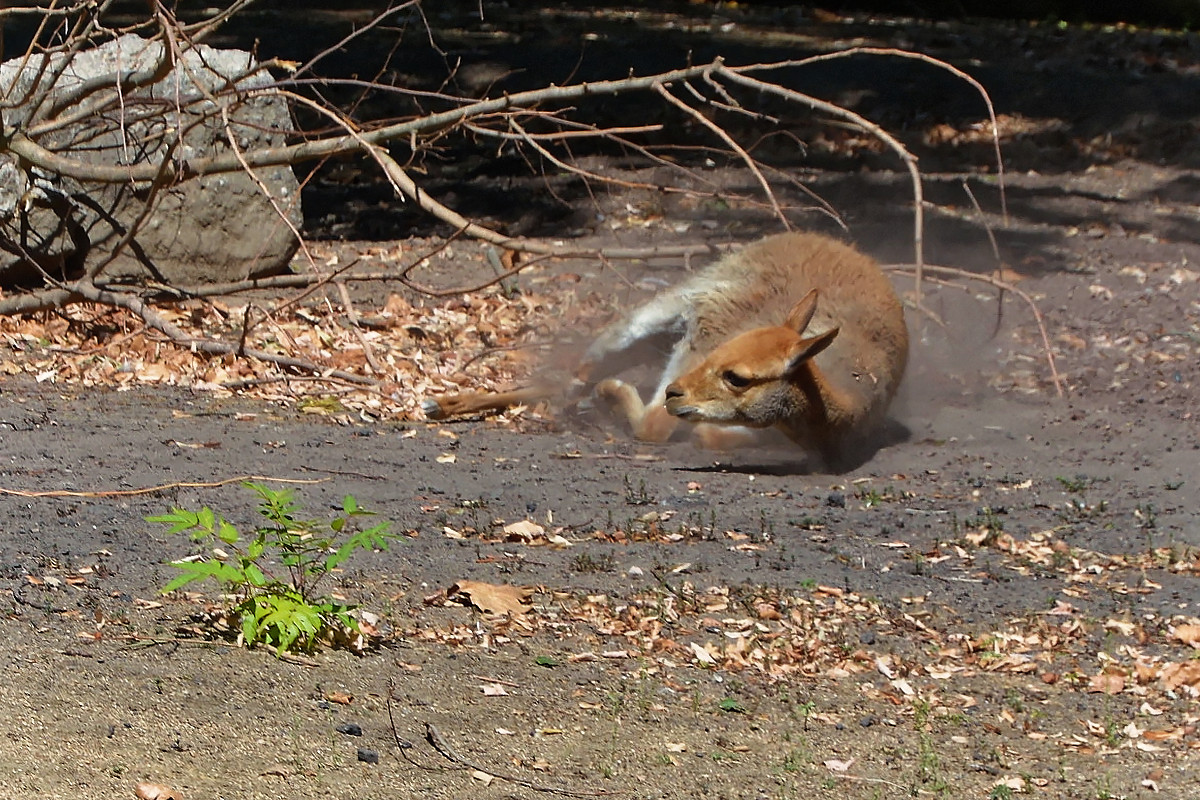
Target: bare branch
[
  {"x": 1003, "y": 286},
  {"x": 214, "y": 347},
  {"x": 910, "y": 161},
  {"x": 750, "y": 163}
]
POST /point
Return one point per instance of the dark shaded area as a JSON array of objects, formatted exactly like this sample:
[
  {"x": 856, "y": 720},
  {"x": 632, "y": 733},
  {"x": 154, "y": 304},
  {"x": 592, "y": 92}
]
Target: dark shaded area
[
  {"x": 1134, "y": 97},
  {"x": 1172, "y": 13}
]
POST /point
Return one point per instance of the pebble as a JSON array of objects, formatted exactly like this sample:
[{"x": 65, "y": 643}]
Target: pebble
[{"x": 349, "y": 728}]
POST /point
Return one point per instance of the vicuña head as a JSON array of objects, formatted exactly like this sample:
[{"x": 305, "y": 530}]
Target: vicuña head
[{"x": 761, "y": 378}]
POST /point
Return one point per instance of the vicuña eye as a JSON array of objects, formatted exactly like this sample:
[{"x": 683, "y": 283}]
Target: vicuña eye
[{"x": 735, "y": 380}]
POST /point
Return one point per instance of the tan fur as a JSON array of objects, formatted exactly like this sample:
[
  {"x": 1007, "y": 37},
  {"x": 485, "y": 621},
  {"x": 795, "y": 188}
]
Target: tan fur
[{"x": 797, "y": 332}]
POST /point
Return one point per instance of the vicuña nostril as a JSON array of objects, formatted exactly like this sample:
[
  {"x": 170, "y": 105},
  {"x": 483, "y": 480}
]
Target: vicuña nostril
[{"x": 674, "y": 391}]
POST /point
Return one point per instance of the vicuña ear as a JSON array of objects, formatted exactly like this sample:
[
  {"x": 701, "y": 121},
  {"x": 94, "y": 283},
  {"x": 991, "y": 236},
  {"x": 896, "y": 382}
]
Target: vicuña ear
[
  {"x": 802, "y": 313},
  {"x": 807, "y": 348}
]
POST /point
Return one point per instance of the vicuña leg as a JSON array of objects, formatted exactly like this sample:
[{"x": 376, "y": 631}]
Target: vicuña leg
[{"x": 649, "y": 423}]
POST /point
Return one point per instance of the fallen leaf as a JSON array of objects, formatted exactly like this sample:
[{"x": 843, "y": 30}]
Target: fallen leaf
[
  {"x": 833, "y": 765},
  {"x": 1122, "y": 627},
  {"x": 492, "y": 598},
  {"x": 1188, "y": 634},
  {"x": 1176, "y": 675},
  {"x": 341, "y": 698},
  {"x": 523, "y": 530},
  {"x": 702, "y": 655},
  {"x": 155, "y": 791},
  {"x": 1108, "y": 682}
]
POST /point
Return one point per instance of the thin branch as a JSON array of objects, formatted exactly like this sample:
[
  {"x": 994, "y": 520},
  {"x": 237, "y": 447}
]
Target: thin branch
[
  {"x": 892, "y": 52},
  {"x": 720, "y": 132},
  {"x": 910, "y": 161},
  {"x": 155, "y": 320},
  {"x": 356, "y": 33},
  {"x": 352, "y": 318},
  {"x": 1048, "y": 350},
  {"x": 162, "y": 487},
  {"x": 75, "y": 43},
  {"x": 409, "y": 188}
]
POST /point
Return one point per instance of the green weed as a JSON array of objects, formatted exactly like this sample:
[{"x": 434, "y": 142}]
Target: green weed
[{"x": 272, "y": 575}]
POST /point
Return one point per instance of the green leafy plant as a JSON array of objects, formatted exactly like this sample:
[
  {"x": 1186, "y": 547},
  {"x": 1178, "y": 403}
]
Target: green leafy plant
[
  {"x": 272, "y": 575},
  {"x": 732, "y": 706}
]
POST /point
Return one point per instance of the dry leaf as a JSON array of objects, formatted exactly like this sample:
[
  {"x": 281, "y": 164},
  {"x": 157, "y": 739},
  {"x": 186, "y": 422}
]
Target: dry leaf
[
  {"x": 341, "y": 698},
  {"x": 1108, "y": 682},
  {"x": 523, "y": 530},
  {"x": 1188, "y": 634},
  {"x": 155, "y": 791},
  {"x": 1016, "y": 783},
  {"x": 702, "y": 655},
  {"x": 1176, "y": 675},
  {"x": 492, "y": 598}
]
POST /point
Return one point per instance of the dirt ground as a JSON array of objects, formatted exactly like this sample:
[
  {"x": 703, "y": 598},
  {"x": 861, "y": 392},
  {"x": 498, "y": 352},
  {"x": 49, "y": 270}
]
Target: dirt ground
[{"x": 997, "y": 604}]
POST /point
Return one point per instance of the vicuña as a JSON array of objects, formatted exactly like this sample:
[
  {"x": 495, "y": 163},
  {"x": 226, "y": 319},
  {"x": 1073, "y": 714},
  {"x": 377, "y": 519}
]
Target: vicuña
[{"x": 797, "y": 332}]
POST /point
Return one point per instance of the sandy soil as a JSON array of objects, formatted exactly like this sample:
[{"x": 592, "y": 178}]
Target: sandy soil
[{"x": 999, "y": 598}]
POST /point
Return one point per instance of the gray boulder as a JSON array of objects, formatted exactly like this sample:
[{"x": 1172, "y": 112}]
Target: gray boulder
[{"x": 211, "y": 229}]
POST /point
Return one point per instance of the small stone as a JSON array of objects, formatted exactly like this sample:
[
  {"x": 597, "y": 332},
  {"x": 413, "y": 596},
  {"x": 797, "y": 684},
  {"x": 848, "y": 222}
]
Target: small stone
[
  {"x": 636, "y": 572},
  {"x": 368, "y": 756},
  {"x": 867, "y": 637},
  {"x": 868, "y": 720},
  {"x": 349, "y": 728},
  {"x": 836, "y": 500}
]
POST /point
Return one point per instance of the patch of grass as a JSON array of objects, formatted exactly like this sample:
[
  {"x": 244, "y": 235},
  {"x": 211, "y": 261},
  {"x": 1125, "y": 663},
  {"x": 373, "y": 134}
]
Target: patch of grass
[
  {"x": 870, "y": 497},
  {"x": 1075, "y": 485},
  {"x": 805, "y": 711},
  {"x": 986, "y": 520},
  {"x": 1104, "y": 788},
  {"x": 586, "y": 562},
  {"x": 321, "y": 405},
  {"x": 1112, "y": 732},
  {"x": 272, "y": 575},
  {"x": 797, "y": 759},
  {"x": 1078, "y": 509},
  {"x": 922, "y": 710},
  {"x": 639, "y": 495},
  {"x": 929, "y": 767}
]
